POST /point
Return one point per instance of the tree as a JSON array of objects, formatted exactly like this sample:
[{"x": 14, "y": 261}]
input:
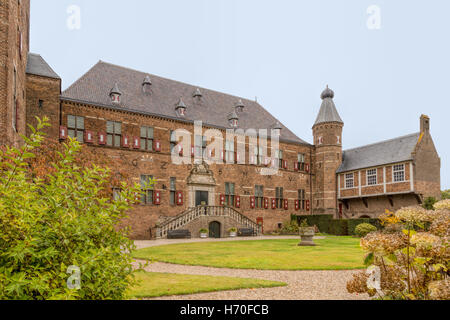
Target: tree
[
  {"x": 446, "y": 194},
  {"x": 59, "y": 237}
]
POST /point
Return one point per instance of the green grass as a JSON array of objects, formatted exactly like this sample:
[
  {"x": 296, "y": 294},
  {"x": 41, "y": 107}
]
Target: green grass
[
  {"x": 153, "y": 284},
  {"x": 332, "y": 253}
]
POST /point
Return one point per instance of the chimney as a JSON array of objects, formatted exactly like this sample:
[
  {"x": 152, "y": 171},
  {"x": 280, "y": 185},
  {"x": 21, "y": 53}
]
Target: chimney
[{"x": 424, "y": 124}]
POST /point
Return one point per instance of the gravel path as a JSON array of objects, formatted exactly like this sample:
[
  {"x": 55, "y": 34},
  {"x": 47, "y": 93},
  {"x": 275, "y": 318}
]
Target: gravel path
[{"x": 302, "y": 285}]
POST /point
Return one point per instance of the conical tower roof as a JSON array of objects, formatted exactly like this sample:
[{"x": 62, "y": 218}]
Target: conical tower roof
[{"x": 328, "y": 111}]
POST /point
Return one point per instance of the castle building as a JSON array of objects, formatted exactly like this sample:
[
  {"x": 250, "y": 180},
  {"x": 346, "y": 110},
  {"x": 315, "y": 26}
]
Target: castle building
[{"x": 230, "y": 175}]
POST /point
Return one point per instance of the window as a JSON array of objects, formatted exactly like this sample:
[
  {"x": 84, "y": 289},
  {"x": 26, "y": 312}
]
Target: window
[
  {"x": 200, "y": 146},
  {"x": 116, "y": 194},
  {"x": 279, "y": 156},
  {"x": 349, "y": 180},
  {"x": 371, "y": 177},
  {"x": 147, "y": 195},
  {"x": 258, "y": 155},
  {"x": 229, "y": 194},
  {"x": 114, "y": 131},
  {"x": 173, "y": 191},
  {"x": 15, "y": 111},
  {"x": 301, "y": 199},
  {"x": 399, "y": 172},
  {"x": 301, "y": 161},
  {"x": 279, "y": 197},
  {"x": 229, "y": 151},
  {"x": 259, "y": 196},
  {"x": 75, "y": 126},
  {"x": 147, "y": 138},
  {"x": 173, "y": 140},
  {"x": 41, "y": 104}
]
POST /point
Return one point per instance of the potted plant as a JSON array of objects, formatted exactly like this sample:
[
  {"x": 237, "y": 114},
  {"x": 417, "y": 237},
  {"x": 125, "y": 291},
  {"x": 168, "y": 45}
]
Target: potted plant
[
  {"x": 306, "y": 233},
  {"x": 233, "y": 232},
  {"x": 203, "y": 233}
]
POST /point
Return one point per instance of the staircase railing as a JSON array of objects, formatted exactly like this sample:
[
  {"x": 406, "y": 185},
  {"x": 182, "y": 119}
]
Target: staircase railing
[{"x": 201, "y": 211}]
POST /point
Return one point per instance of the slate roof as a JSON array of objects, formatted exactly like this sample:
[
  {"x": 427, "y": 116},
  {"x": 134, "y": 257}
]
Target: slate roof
[
  {"x": 328, "y": 111},
  {"x": 38, "y": 66},
  {"x": 381, "y": 153},
  {"x": 212, "y": 108}
]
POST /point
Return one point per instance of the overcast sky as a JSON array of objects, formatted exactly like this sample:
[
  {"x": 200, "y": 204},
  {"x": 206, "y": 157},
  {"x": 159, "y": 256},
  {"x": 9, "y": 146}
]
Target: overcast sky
[{"x": 386, "y": 69}]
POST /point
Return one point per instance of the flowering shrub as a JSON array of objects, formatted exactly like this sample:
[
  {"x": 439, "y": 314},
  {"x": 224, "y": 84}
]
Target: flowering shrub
[
  {"x": 364, "y": 229},
  {"x": 412, "y": 264}
]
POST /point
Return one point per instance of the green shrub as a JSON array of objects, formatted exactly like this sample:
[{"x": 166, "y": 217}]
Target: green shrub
[
  {"x": 290, "y": 227},
  {"x": 429, "y": 203},
  {"x": 322, "y": 221},
  {"x": 338, "y": 227},
  {"x": 364, "y": 229},
  {"x": 445, "y": 194},
  {"x": 54, "y": 227}
]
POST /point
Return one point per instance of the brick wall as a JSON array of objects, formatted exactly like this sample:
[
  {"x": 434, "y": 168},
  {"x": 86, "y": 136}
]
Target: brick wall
[
  {"x": 14, "y": 44},
  {"x": 159, "y": 164}
]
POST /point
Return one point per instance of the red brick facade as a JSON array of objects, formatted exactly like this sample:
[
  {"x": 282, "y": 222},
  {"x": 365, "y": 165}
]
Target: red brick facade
[{"x": 308, "y": 187}]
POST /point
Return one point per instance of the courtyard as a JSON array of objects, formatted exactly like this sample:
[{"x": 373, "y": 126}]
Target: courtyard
[{"x": 228, "y": 268}]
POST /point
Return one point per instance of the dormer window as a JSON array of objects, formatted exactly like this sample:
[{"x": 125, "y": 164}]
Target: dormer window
[
  {"x": 197, "y": 94},
  {"x": 147, "y": 85},
  {"x": 240, "y": 106},
  {"x": 233, "y": 119},
  {"x": 276, "y": 129},
  {"x": 181, "y": 108},
  {"x": 115, "y": 94}
]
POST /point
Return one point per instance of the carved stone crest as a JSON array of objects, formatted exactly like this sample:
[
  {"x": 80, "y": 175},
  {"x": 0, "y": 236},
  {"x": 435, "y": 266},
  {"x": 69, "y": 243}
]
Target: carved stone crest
[{"x": 201, "y": 175}]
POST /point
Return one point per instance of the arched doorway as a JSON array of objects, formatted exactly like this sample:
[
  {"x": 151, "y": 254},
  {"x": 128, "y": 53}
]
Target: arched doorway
[
  {"x": 214, "y": 229},
  {"x": 365, "y": 217}
]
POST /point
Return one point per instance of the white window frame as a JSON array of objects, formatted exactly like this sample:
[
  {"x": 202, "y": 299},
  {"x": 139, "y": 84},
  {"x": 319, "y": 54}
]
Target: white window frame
[
  {"x": 396, "y": 170},
  {"x": 347, "y": 179},
  {"x": 370, "y": 174}
]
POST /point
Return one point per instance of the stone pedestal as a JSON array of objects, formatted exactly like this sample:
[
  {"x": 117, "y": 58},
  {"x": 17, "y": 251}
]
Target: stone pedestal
[{"x": 307, "y": 235}]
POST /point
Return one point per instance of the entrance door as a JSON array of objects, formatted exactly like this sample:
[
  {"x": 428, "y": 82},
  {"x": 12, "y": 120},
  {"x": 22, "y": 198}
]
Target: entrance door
[
  {"x": 214, "y": 229},
  {"x": 201, "y": 198}
]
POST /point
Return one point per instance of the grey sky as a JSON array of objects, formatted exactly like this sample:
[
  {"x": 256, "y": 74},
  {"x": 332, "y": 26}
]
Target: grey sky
[{"x": 283, "y": 52}]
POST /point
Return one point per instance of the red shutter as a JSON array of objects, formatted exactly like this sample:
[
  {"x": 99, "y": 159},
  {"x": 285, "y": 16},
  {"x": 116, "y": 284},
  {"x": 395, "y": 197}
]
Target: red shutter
[
  {"x": 222, "y": 155},
  {"x": 180, "y": 198},
  {"x": 125, "y": 142},
  {"x": 237, "y": 202},
  {"x": 296, "y": 166},
  {"x": 274, "y": 203},
  {"x": 307, "y": 167},
  {"x": 157, "y": 145},
  {"x": 157, "y": 198},
  {"x": 136, "y": 143},
  {"x": 101, "y": 138},
  {"x": 62, "y": 132},
  {"x": 297, "y": 205},
  {"x": 284, "y": 164},
  {"x": 192, "y": 151},
  {"x": 286, "y": 204},
  {"x": 266, "y": 203},
  {"x": 88, "y": 136},
  {"x": 252, "y": 202},
  {"x": 307, "y": 205},
  {"x": 222, "y": 199}
]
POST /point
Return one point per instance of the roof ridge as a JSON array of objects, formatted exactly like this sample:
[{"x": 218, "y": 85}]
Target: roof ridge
[
  {"x": 178, "y": 81},
  {"x": 383, "y": 141}
]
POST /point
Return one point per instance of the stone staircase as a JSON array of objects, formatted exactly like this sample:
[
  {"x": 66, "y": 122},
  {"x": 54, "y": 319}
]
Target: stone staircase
[{"x": 192, "y": 214}]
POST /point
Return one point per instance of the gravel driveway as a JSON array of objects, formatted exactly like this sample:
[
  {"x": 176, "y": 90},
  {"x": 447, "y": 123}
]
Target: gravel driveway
[{"x": 302, "y": 285}]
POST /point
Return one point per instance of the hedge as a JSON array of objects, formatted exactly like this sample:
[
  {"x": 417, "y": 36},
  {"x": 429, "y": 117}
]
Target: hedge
[{"x": 342, "y": 227}]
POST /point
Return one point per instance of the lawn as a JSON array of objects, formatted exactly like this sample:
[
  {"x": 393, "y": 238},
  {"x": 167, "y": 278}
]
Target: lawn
[
  {"x": 153, "y": 284},
  {"x": 332, "y": 253}
]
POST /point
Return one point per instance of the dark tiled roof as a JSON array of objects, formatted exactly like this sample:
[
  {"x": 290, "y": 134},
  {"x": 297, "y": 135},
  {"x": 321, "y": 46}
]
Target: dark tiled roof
[
  {"x": 38, "y": 66},
  {"x": 328, "y": 111},
  {"x": 212, "y": 108},
  {"x": 381, "y": 153}
]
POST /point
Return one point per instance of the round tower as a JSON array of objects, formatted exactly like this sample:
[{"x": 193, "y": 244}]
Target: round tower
[{"x": 327, "y": 132}]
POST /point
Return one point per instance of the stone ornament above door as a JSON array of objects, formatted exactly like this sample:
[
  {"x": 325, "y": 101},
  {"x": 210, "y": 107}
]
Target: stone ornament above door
[{"x": 201, "y": 175}]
